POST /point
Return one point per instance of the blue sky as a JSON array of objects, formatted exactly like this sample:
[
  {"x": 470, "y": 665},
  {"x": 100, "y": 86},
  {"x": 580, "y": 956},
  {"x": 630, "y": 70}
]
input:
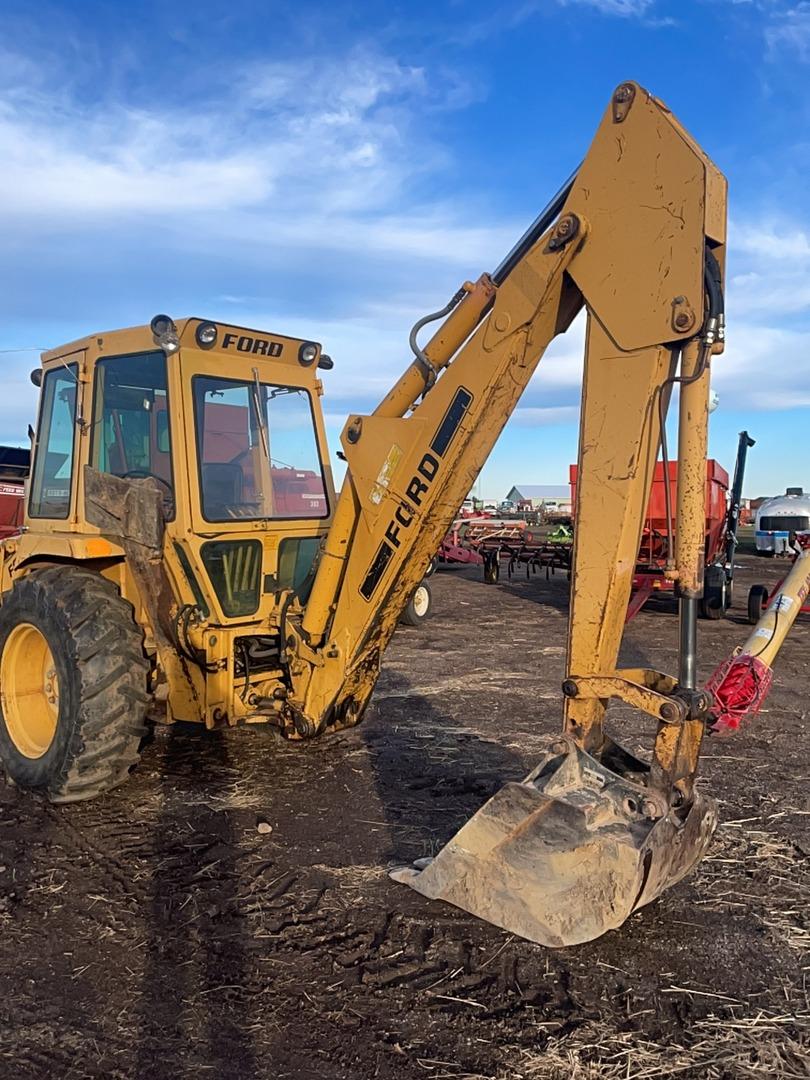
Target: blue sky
[{"x": 335, "y": 170}]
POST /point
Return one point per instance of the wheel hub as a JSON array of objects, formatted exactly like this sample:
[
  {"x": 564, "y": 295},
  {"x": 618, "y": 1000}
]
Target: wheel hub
[
  {"x": 29, "y": 690},
  {"x": 421, "y": 601}
]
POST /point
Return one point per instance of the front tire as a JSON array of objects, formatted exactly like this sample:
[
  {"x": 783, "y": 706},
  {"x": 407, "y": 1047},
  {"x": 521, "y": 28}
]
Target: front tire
[
  {"x": 73, "y": 684},
  {"x": 419, "y": 606}
]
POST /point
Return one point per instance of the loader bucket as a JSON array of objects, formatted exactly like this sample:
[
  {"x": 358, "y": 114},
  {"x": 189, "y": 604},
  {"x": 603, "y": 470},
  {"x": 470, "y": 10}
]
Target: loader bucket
[{"x": 570, "y": 852}]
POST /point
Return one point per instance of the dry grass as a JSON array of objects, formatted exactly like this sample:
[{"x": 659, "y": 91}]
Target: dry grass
[
  {"x": 754, "y": 869},
  {"x": 752, "y": 1048}
]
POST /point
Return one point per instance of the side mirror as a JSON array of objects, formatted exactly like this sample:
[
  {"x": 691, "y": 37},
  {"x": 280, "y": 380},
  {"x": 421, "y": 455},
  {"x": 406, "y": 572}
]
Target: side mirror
[{"x": 36, "y": 376}]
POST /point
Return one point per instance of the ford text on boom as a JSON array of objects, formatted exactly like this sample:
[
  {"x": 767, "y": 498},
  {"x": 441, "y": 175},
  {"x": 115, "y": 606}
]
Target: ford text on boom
[
  {"x": 403, "y": 517},
  {"x": 257, "y": 346},
  {"x": 418, "y": 485},
  {"x": 427, "y": 468}
]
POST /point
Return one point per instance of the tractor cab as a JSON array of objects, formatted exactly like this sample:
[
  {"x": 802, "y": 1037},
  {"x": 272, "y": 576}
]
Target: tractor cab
[{"x": 227, "y": 425}]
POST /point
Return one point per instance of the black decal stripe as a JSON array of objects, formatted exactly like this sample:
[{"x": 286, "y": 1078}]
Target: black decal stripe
[
  {"x": 372, "y": 579},
  {"x": 452, "y": 418}
]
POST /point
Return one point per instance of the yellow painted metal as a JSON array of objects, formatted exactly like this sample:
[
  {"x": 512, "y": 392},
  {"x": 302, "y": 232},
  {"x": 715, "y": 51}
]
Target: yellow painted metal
[
  {"x": 651, "y": 153},
  {"x": 450, "y": 336},
  {"x": 29, "y": 689},
  {"x": 647, "y": 690},
  {"x": 334, "y": 553},
  {"x": 768, "y": 636},
  {"x": 693, "y": 439},
  {"x": 619, "y": 440}
]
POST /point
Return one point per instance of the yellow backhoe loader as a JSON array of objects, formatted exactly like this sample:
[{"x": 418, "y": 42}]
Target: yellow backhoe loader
[{"x": 184, "y": 547}]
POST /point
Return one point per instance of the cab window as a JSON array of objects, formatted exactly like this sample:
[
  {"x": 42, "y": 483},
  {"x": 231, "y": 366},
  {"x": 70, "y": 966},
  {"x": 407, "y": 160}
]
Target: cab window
[
  {"x": 257, "y": 451},
  {"x": 131, "y": 419},
  {"x": 53, "y": 460}
]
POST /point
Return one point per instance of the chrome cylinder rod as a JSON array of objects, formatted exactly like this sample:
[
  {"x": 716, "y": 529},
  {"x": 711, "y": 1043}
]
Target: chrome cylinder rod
[{"x": 687, "y": 650}]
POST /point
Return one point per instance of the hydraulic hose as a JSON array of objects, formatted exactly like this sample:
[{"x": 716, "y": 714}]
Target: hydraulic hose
[{"x": 541, "y": 224}]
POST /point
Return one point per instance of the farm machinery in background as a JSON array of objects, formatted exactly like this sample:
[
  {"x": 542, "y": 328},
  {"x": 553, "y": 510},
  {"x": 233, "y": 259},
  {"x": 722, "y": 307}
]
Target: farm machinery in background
[
  {"x": 490, "y": 542},
  {"x": 760, "y": 598},
  {"x": 723, "y": 507},
  {"x": 15, "y": 462},
  {"x": 778, "y": 520},
  {"x": 487, "y": 542}
]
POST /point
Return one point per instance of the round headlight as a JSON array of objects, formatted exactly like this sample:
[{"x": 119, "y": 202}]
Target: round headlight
[
  {"x": 206, "y": 335},
  {"x": 307, "y": 353},
  {"x": 164, "y": 333},
  {"x": 161, "y": 324}
]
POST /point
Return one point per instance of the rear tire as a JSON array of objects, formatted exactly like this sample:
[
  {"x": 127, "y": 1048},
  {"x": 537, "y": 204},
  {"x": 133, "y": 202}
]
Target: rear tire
[
  {"x": 419, "y": 606},
  {"x": 492, "y": 567},
  {"x": 71, "y": 718},
  {"x": 757, "y": 601},
  {"x": 715, "y": 600}
]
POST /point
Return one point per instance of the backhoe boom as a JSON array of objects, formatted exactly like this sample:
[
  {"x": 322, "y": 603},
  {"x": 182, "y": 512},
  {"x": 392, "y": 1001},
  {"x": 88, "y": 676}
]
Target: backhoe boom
[
  {"x": 639, "y": 242},
  {"x": 625, "y": 238}
]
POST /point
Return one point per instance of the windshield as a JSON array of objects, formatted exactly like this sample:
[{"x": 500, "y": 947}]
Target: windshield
[{"x": 257, "y": 450}]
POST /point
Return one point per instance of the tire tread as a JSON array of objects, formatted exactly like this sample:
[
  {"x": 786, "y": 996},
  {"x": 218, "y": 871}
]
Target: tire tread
[{"x": 104, "y": 646}]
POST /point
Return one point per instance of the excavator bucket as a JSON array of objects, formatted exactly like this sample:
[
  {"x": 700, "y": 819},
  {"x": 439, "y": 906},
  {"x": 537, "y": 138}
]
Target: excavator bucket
[{"x": 571, "y": 851}]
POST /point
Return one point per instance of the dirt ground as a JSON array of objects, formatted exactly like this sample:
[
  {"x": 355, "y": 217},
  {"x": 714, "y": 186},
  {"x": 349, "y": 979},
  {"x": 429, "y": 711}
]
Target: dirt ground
[{"x": 158, "y": 933}]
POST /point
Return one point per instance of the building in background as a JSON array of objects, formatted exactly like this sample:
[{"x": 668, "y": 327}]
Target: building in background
[{"x": 555, "y": 497}]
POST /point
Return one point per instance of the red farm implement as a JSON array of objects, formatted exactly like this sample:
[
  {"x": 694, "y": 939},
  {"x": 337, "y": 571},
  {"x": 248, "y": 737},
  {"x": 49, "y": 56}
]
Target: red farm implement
[
  {"x": 722, "y": 521},
  {"x": 488, "y": 542},
  {"x": 14, "y": 465}
]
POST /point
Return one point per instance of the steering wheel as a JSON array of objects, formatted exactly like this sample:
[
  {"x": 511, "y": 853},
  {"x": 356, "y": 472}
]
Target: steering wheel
[{"x": 144, "y": 474}]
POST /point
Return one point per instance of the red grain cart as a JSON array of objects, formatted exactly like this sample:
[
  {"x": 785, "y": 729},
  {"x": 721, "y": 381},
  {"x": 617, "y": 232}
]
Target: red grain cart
[
  {"x": 649, "y": 577},
  {"x": 14, "y": 465}
]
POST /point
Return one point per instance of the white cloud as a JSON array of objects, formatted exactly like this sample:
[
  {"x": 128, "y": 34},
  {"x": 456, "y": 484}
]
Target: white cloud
[
  {"x": 331, "y": 132},
  {"x": 770, "y": 270},
  {"x": 790, "y": 31},
  {"x": 623, "y": 8},
  {"x": 764, "y": 367},
  {"x": 322, "y": 154},
  {"x": 533, "y": 416},
  {"x": 769, "y": 240}
]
